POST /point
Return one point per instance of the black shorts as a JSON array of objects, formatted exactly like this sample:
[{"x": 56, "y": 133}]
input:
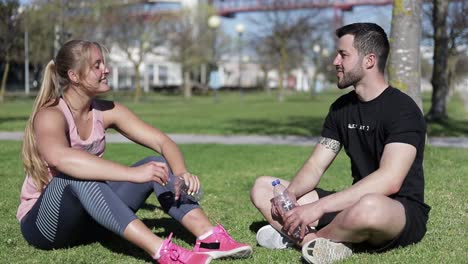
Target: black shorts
[{"x": 413, "y": 231}]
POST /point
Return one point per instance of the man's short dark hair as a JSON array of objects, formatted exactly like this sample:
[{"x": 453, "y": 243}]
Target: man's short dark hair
[{"x": 368, "y": 38}]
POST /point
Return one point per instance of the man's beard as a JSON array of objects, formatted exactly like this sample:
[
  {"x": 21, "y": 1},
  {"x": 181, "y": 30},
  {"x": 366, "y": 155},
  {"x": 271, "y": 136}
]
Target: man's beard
[{"x": 350, "y": 78}]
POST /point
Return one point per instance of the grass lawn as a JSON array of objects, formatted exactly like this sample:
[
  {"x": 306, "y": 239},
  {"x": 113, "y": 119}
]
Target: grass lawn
[
  {"x": 259, "y": 114},
  {"x": 227, "y": 174}
]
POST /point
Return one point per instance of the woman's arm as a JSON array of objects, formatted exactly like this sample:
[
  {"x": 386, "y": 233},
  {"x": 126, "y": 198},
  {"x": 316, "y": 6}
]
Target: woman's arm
[
  {"x": 135, "y": 129},
  {"x": 51, "y": 137}
]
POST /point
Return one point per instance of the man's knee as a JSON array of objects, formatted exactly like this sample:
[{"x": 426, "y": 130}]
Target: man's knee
[
  {"x": 368, "y": 212},
  {"x": 261, "y": 190}
]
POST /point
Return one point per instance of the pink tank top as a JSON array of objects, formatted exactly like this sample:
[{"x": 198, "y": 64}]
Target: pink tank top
[{"x": 95, "y": 144}]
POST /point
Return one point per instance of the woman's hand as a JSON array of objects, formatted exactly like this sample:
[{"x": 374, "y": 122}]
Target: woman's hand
[
  {"x": 151, "y": 171},
  {"x": 191, "y": 181}
]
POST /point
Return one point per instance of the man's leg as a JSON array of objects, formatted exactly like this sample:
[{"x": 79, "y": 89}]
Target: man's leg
[
  {"x": 375, "y": 219},
  {"x": 261, "y": 195}
]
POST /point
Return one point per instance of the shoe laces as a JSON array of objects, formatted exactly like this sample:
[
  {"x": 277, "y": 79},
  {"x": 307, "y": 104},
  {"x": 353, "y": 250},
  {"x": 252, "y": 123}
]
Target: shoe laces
[
  {"x": 223, "y": 234},
  {"x": 174, "y": 252}
]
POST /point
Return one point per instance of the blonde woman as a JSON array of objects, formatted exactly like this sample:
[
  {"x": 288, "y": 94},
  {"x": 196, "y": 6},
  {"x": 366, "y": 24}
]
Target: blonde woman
[{"x": 71, "y": 195}]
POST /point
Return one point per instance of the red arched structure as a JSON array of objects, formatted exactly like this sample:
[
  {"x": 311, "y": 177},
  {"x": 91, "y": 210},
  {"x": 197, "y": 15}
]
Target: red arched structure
[{"x": 231, "y": 7}]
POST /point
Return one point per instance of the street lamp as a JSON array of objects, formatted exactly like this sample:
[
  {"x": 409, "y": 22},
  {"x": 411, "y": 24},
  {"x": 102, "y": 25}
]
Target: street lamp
[
  {"x": 214, "y": 22},
  {"x": 240, "y": 30}
]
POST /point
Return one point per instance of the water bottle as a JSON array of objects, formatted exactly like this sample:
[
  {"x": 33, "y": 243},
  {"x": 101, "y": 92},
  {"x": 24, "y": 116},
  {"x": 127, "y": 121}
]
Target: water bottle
[
  {"x": 179, "y": 185},
  {"x": 286, "y": 202}
]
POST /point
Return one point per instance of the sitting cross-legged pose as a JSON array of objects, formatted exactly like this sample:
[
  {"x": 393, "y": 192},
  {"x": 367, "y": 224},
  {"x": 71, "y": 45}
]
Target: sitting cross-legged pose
[
  {"x": 71, "y": 194},
  {"x": 383, "y": 132}
]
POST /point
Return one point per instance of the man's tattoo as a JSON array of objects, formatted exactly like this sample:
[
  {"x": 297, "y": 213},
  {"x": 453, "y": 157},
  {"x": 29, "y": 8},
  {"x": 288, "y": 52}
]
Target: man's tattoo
[{"x": 332, "y": 144}]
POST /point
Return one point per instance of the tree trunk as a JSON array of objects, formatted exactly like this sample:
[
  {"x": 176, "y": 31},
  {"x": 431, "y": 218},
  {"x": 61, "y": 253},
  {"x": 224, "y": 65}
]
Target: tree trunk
[
  {"x": 313, "y": 84},
  {"x": 439, "y": 78},
  {"x": 187, "y": 86},
  {"x": 280, "y": 82},
  {"x": 4, "y": 80},
  {"x": 451, "y": 75},
  {"x": 266, "y": 87},
  {"x": 404, "y": 69},
  {"x": 282, "y": 67},
  {"x": 137, "y": 84}
]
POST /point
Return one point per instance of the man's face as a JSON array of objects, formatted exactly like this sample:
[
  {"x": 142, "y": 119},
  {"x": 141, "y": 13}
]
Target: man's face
[{"x": 347, "y": 62}]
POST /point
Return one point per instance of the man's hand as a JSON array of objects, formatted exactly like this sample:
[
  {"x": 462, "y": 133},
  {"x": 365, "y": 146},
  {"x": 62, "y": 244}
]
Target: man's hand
[
  {"x": 276, "y": 212},
  {"x": 301, "y": 216}
]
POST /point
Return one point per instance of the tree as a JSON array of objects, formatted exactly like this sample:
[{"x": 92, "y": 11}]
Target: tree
[
  {"x": 193, "y": 43},
  {"x": 39, "y": 20},
  {"x": 450, "y": 39},
  {"x": 264, "y": 60},
  {"x": 439, "y": 78},
  {"x": 50, "y": 23},
  {"x": 285, "y": 36},
  {"x": 404, "y": 70},
  {"x": 134, "y": 31},
  {"x": 9, "y": 36}
]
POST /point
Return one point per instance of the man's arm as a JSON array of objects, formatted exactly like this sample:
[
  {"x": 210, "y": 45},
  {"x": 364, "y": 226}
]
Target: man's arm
[
  {"x": 308, "y": 177},
  {"x": 396, "y": 161},
  {"x": 395, "y": 164}
]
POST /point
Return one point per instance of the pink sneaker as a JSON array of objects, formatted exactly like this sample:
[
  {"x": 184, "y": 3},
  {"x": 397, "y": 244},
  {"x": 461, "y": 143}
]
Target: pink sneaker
[
  {"x": 173, "y": 254},
  {"x": 220, "y": 244}
]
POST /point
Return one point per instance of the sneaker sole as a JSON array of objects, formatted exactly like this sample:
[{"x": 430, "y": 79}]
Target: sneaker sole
[
  {"x": 340, "y": 251},
  {"x": 240, "y": 252}
]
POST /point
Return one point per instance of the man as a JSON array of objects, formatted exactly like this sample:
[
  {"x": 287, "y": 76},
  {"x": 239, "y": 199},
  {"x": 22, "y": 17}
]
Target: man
[{"x": 383, "y": 132}]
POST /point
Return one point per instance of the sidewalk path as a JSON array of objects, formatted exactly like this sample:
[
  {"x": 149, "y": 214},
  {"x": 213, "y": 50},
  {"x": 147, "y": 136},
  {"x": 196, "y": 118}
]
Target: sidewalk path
[{"x": 250, "y": 139}]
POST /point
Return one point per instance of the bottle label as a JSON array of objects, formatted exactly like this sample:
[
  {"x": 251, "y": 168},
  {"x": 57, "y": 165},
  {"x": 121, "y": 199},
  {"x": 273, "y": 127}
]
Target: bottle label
[{"x": 287, "y": 205}]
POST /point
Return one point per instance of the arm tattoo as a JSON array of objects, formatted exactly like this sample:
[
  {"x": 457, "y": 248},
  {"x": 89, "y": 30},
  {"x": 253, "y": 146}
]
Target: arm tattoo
[{"x": 332, "y": 144}]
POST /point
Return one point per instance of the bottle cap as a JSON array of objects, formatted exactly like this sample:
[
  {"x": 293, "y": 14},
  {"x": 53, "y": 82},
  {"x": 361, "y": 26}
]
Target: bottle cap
[{"x": 275, "y": 182}]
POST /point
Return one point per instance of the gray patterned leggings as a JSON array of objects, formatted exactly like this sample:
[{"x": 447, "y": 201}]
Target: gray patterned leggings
[{"x": 72, "y": 211}]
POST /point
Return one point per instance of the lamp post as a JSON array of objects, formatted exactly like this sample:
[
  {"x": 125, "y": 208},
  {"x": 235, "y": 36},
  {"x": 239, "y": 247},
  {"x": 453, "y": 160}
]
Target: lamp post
[
  {"x": 316, "y": 48},
  {"x": 214, "y": 22},
  {"x": 240, "y": 30}
]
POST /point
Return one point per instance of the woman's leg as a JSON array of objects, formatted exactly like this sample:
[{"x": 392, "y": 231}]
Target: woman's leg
[
  {"x": 188, "y": 213},
  {"x": 58, "y": 219},
  {"x": 67, "y": 211},
  {"x": 219, "y": 243}
]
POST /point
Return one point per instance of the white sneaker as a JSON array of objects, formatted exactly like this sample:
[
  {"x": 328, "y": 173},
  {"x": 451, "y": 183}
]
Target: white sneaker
[
  {"x": 269, "y": 237},
  {"x": 324, "y": 251}
]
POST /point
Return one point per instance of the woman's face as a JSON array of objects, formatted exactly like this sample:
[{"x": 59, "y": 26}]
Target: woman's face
[{"x": 96, "y": 77}]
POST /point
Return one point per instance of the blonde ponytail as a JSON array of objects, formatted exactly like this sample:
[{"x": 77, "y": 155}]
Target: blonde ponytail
[
  {"x": 74, "y": 54},
  {"x": 49, "y": 93}
]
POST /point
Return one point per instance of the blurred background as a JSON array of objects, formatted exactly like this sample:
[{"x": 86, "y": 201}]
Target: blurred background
[{"x": 191, "y": 47}]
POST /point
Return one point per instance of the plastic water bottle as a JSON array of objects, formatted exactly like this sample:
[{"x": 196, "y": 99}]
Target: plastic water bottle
[
  {"x": 182, "y": 188},
  {"x": 285, "y": 201}
]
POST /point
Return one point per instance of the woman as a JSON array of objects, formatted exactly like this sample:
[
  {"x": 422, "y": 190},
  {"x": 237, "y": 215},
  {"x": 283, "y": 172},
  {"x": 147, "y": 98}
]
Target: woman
[{"x": 70, "y": 192}]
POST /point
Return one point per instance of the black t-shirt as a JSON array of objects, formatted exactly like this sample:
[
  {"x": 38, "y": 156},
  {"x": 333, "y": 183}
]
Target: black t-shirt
[{"x": 364, "y": 128}]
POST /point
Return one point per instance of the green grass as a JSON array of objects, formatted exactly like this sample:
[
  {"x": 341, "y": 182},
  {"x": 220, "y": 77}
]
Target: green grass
[
  {"x": 227, "y": 174},
  {"x": 259, "y": 114}
]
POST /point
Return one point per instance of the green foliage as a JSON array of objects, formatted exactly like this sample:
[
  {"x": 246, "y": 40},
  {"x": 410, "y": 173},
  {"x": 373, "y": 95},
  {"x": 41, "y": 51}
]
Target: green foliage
[
  {"x": 227, "y": 174},
  {"x": 259, "y": 113}
]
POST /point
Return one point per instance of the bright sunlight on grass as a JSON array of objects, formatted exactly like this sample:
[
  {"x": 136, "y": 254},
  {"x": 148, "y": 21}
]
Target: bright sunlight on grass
[{"x": 227, "y": 174}]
